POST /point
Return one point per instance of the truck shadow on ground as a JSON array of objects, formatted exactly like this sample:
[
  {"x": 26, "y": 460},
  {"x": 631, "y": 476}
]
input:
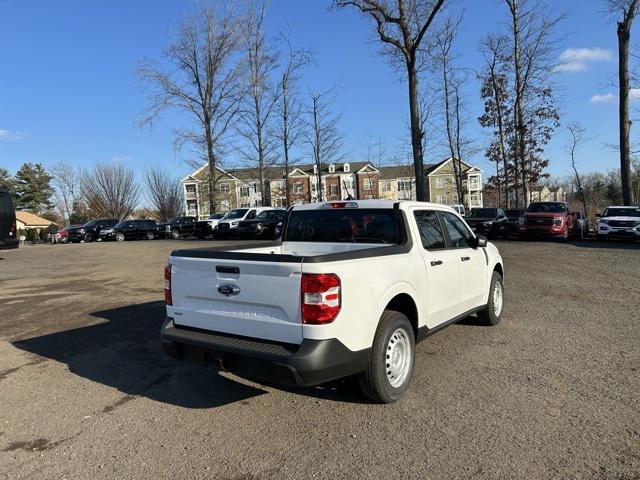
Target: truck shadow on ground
[{"x": 124, "y": 352}]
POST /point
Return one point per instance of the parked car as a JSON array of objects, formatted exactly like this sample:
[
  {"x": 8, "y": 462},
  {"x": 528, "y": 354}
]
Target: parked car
[
  {"x": 263, "y": 226},
  {"x": 90, "y": 231},
  {"x": 297, "y": 313},
  {"x": 214, "y": 219},
  {"x": 549, "y": 220},
  {"x": 228, "y": 225},
  {"x": 63, "y": 235},
  {"x": 491, "y": 222},
  {"x": 131, "y": 230},
  {"x": 619, "y": 222},
  {"x": 582, "y": 225},
  {"x": 513, "y": 220},
  {"x": 180, "y": 227},
  {"x": 8, "y": 230}
]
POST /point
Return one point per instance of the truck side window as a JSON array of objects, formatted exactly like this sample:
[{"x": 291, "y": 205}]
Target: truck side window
[
  {"x": 459, "y": 234},
  {"x": 430, "y": 230},
  {"x": 251, "y": 215}
]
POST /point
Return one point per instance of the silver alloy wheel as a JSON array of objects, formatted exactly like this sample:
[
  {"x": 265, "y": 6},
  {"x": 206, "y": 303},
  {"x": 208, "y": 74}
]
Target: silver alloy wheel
[
  {"x": 120, "y": 237},
  {"x": 497, "y": 299},
  {"x": 398, "y": 358}
]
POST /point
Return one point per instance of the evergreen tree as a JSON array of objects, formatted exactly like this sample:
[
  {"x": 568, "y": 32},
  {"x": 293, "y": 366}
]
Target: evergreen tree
[
  {"x": 7, "y": 182},
  {"x": 33, "y": 188}
]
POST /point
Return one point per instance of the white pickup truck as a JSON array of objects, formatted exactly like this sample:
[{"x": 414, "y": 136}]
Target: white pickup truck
[{"x": 349, "y": 290}]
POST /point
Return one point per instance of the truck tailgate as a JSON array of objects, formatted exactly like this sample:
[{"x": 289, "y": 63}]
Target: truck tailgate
[{"x": 258, "y": 299}]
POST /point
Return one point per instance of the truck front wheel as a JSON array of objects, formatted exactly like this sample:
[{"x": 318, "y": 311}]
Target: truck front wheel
[
  {"x": 492, "y": 313},
  {"x": 388, "y": 373}
]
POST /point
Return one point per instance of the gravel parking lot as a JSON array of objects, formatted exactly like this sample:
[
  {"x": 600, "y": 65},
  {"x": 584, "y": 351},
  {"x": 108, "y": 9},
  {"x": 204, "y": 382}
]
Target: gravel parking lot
[{"x": 86, "y": 392}]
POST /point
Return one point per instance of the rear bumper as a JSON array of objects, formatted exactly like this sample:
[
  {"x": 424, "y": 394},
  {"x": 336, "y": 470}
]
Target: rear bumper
[
  {"x": 311, "y": 363},
  {"x": 9, "y": 243}
]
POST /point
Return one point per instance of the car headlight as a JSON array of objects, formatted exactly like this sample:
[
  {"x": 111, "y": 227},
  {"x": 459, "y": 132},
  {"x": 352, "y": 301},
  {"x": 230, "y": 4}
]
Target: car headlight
[
  {"x": 557, "y": 221},
  {"x": 521, "y": 220},
  {"x": 487, "y": 224},
  {"x": 235, "y": 223}
]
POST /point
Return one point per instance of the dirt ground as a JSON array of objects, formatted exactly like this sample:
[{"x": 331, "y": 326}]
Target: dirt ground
[{"x": 86, "y": 392}]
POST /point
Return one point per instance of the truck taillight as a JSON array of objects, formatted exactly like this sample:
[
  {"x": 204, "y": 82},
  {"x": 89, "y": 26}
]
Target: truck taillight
[
  {"x": 12, "y": 229},
  {"x": 321, "y": 299},
  {"x": 167, "y": 285}
]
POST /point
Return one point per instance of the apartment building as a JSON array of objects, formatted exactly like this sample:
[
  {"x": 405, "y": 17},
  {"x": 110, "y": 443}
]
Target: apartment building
[{"x": 340, "y": 181}]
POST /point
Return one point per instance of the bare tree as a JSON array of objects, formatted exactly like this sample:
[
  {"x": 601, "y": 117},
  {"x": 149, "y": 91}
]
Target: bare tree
[
  {"x": 627, "y": 9},
  {"x": 323, "y": 135},
  {"x": 533, "y": 46},
  {"x": 260, "y": 101},
  {"x": 110, "y": 190},
  {"x": 576, "y": 137},
  {"x": 290, "y": 110},
  {"x": 402, "y": 26},
  {"x": 66, "y": 184},
  {"x": 202, "y": 80},
  {"x": 164, "y": 192}
]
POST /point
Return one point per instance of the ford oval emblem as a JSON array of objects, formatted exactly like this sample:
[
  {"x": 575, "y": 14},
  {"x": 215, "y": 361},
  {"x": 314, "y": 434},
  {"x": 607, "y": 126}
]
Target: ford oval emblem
[{"x": 228, "y": 290}]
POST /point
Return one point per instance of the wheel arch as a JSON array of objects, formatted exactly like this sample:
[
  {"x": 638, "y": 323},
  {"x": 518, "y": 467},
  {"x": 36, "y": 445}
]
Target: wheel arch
[{"x": 401, "y": 298}]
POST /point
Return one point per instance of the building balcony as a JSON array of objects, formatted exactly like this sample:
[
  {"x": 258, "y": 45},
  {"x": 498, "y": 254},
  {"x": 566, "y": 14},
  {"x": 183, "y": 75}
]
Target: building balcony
[{"x": 190, "y": 195}]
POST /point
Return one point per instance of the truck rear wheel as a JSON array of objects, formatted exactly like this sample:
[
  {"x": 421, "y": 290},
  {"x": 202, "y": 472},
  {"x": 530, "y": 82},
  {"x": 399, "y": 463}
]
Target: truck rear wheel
[
  {"x": 492, "y": 313},
  {"x": 388, "y": 373}
]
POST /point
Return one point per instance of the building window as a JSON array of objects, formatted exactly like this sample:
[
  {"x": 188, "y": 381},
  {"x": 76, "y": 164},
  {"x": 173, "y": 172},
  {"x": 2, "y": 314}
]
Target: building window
[
  {"x": 474, "y": 182},
  {"x": 367, "y": 184},
  {"x": 297, "y": 188},
  {"x": 244, "y": 191},
  {"x": 224, "y": 188},
  {"x": 191, "y": 188},
  {"x": 332, "y": 168},
  {"x": 255, "y": 188},
  {"x": 404, "y": 186},
  {"x": 385, "y": 186},
  {"x": 441, "y": 183},
  {"x": 346, "y": 167},
  {"x": 279, "y": 184},
  {"x": 333, "y": 189},
  {"x": 192, "y": 208},
  {"x": 313, "y": 187},
  {"x": 475, "y": 197},
  {"x": 440, "y": 199}
]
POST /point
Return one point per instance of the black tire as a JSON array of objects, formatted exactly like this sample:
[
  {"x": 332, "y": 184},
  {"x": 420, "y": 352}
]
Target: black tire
[
  {"x": 374, "y": 381},
  {"x": 150, "y": 236},
  {"x": 88, "y": 237},
  {"x": 120, "y": 237},
  {"x": 488, "y": 315}
]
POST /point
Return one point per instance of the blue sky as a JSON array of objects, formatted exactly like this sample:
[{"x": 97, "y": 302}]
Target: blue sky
[{"x": 68, "y": 90}]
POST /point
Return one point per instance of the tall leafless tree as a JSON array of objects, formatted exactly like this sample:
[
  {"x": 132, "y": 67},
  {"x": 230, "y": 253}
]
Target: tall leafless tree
[
  {"x": 402, "y": 27},
  {"x": 66, "y": 184},
  {"x": 626, "y": 11},
  {"x": 202, "y": 80},
  {"x": 323, "y": 134},
  {"x": 533, "y": 44},
  {"x": 290, "y": 111},
  {"x": 261, "y": 97},
  {"x": 576, "y": 137},
  {"x": 110, "y": 190},
  {"x": 164, "y": 192}
]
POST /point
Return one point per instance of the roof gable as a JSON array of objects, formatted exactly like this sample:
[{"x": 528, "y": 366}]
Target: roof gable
[{"x": 31, "y": 220}]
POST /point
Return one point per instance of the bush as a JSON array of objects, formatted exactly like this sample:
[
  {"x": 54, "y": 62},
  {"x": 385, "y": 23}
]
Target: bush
[{"x": 43, "y": 234}]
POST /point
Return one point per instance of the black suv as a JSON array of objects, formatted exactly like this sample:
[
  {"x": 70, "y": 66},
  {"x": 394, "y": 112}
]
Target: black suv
[
  {"x": 513, "y": 217},
  {"x": 491, "y": 222},
  {"x": 131, "y": 230},
  {"x": 90, "y": 231},
  {"x": 263, "y": 226},
  {"x": 180, "y": 227},
  {"x": 8, "y": 230}
]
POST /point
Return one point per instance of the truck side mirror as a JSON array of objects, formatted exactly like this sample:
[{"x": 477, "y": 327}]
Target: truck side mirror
[{"x": 481, "y": 241}]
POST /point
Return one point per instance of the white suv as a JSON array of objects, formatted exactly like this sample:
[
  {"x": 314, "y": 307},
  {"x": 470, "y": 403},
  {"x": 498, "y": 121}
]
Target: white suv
[{"x": 619, "y": 222}]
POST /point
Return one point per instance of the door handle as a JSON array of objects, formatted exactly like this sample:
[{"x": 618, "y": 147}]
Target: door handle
[
  {"x": 435, "y": 263},
  {"x": 465, "y": 259}
]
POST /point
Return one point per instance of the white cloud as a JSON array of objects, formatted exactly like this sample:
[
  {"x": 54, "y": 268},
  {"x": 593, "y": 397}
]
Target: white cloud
[
  {"x": 605, "y": 98},
  {"x": 9, "y": 136},
  {"x": 121, "y": 158},
  {"x": 634, "y": 94},
  {"x": 579, "y": 59}
]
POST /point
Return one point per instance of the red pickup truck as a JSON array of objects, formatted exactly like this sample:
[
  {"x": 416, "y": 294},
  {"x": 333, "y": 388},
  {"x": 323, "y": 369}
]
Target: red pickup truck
[{"x": 548, "y": 219}]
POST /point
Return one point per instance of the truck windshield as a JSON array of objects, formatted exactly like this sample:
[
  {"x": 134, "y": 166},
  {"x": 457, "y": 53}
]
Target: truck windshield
[
  {"x": 622, "y": 212},
  {"x": 237, "y": 213},
  {"x": 364, "y": 225},
  {"x": 483, "y": 213},
  {"x": 547, "y": 207}
]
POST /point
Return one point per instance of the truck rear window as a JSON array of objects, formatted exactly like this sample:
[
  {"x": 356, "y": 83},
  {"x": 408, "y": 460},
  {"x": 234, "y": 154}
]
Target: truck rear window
[{"x": 343, "y": 225}]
